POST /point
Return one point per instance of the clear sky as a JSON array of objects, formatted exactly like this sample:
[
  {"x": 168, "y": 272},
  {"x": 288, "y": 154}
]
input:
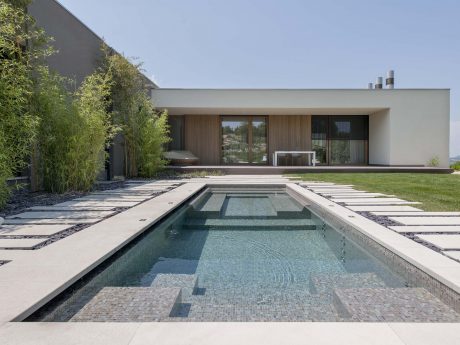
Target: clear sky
[{"x": 286, "y": 43}]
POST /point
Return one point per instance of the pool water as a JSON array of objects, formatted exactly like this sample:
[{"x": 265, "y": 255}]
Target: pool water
[{"x": 245, "y": 256}]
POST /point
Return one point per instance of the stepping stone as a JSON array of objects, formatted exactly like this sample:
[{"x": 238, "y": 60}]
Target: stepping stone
[
  {"x": 130, "y": 304},
  {"x": 332, "y": 190},
  {"x": 443, "y": 242},
  {"x": 370, "y": 203},
  {"x": 22, "y": 243},
  {"x": 50, "y": 221},
  {"x": 112, "y": 198},
  {"x": 392, "y": 305},
  {"x": 363, "y": 200},
  {"x": 98, "y": 203},
  {"x": 453, "y": 254},
  {"x": 427, "y": 220},
  {"x": 62, "y": 215},
  {"x": 387, "y": 208},
  {"x": 332, "y": 187},
  {"x": 357, "y": 195},
  {"x": 426, "y": 228},
  {"x": 33, "y": 230},
  {"x": 323, "y": 283},
  {"x": 422, "y": 213},
  {"x": 71, "y": 208}
]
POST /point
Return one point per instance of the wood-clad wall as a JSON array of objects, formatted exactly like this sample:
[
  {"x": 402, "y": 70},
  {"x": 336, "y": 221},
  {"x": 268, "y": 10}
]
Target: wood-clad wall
[
  {"x": 289, "y": 132},
  {"x": 202, "y": 138}
]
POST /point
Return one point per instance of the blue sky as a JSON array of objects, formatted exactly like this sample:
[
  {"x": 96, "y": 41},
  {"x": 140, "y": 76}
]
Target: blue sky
[{"x": 286, "y": 43}]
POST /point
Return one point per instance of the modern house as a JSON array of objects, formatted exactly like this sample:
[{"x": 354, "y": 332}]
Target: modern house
[{"x": 354, "y": 127}]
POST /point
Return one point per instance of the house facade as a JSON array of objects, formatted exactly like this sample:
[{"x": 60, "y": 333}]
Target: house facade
[{"x": 349, "y": 127}]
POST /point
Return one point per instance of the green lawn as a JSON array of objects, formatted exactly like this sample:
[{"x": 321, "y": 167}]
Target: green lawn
[{"x": 437, "y": 192}]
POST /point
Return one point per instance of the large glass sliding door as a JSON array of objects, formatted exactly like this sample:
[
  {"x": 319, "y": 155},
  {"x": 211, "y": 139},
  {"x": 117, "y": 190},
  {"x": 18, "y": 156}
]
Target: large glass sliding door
[
  {"x": 341, "y": 140},
  {"x": 244, "y": 140}
]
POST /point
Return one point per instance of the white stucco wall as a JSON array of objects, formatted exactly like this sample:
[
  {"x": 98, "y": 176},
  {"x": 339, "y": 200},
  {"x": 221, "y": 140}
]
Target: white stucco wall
[{"x": 407, "y": 126}]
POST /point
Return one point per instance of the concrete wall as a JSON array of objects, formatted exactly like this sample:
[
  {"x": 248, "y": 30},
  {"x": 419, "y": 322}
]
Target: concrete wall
[
  {"x": 79, "y": 49},
  {"x": 379, "y": 135},
  {"x": 407, "y": 126}
]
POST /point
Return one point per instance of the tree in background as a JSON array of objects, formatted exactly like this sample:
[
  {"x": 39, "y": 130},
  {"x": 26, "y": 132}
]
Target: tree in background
[{"x": 144, "y": 129}]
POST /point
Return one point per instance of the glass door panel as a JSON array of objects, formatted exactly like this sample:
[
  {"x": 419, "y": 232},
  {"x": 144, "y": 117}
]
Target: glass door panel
[
  {"x": 235, "y": 141},
  {"x": 259, "y": 141}
]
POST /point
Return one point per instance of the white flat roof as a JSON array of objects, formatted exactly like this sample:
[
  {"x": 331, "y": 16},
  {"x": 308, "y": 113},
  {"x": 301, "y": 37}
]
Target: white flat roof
[{"x": 286, "y": 101}]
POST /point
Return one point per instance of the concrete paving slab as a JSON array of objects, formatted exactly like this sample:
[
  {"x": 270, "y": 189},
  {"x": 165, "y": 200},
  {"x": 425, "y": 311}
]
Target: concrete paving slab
[
  {"x": 67, "y": 333},
  {"x": 422, "y": 213},
  {"x": 427, "y": 333},
  {"x": 92, "y": 203},
  {"x": 71, "y": 208},
  {"x": 335, "y": 186},
  {"x": 20, "y": 243},
  {"x": 443, "y": 242},
  {"x": 386, "y": 208},
  {"x": 50, "y": 221},
  {"x": 426, "y": 228},
  {"x": 363, "y": 200},
  {"x": 112, "y": 198},
  {"x": 74, "y": 214},
  {"x": 453, "y": 254},
  {"x": 427, "y": 220},
  {"x": 373, "y": 203},
  {"x": 356, "y": 195},
  {"x": 265, "y": 333},
  {"x": 34, "y": 229}
]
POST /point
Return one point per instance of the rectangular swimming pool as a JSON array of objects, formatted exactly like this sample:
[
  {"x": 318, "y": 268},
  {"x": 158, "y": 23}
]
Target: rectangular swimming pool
[{"x": 245, "y": 255}]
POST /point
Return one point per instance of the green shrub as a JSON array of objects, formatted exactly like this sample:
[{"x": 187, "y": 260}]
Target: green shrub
[
  {"x": 455, "y": 166},
  {"x": 17, "y": 124},
  {"x": 144, "y": 130},
  {"x": 434, "y": 162},
  {"x": 74, "y": 128}
]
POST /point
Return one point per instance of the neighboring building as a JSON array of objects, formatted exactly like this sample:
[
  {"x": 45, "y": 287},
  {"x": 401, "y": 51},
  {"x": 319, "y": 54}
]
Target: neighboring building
[
  {"x": 78, "y": 55},
  {"x": 389, "y": 127}
]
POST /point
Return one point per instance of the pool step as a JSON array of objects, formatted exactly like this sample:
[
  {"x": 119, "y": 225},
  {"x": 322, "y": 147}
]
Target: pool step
[
  {"x": 395, "y": 305},
  {"x": 249, "y": 224},
  {"x": 212, "y": 207},
  {"x": 300, "y": 312},
  {"x": 130, "y": 304},
  {"x": 326, "y": 283},
  {"x": 187, "y": 282}
]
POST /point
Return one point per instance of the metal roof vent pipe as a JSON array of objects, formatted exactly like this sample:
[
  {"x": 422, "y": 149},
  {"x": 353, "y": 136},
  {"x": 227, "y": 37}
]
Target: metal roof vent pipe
[
  {"x": 379, "y": 83},
  {"x": 390, "y": 81},
  {"x": 370, "y": 86}
]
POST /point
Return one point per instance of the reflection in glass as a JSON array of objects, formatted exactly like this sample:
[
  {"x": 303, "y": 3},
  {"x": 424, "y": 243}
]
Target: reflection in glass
[
  {"x": 235, "y": 141},
  {"x": 259, "y": 141}
]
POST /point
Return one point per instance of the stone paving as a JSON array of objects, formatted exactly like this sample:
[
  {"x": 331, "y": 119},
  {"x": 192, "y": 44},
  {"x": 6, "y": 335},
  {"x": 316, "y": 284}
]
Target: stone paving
[{"x": 42, "y": 225}]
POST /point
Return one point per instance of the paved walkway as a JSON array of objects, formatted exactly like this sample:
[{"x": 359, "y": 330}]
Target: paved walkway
[{"x": 439, "y": 231}]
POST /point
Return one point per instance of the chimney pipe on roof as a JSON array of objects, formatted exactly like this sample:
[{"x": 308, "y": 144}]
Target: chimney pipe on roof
[
  {"x": 370, "y": 86},
  {"x": 379, "y": 83},
  {"x": 390, "y": 81}
]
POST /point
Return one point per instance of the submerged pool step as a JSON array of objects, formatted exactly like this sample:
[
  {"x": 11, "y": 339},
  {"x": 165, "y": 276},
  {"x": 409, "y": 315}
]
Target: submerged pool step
[
  {"x": 394, "y": 304},
  {"x": 326, "y": 283},
  {"x": 211, "y": 207},
  {"x": 248, "y": 224},
  {"x": 187, "y": 282},
  {"x": 130, "y": 304}
]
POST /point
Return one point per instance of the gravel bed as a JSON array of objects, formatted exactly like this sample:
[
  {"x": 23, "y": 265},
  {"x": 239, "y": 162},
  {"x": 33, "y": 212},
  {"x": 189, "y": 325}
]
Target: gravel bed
[{"x": 23, "y": 199}]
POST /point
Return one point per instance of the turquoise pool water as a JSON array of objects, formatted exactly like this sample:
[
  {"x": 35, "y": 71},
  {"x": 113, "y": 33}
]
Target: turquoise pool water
[{"x": 244, "y": 256}]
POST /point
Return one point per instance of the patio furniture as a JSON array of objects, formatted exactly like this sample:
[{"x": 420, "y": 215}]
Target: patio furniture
[
  {"x": 181, "y": 157},
  {"x": 311, "y": 155}
]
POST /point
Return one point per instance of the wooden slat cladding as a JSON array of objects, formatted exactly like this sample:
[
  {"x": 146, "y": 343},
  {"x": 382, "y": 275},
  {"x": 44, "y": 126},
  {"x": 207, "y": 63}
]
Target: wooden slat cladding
[
  {"x": 289, "y": 132},
  {"x": 202, "y": 138}
]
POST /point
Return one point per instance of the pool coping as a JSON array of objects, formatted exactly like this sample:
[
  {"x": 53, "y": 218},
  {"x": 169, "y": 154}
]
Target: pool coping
[{"x": 18, "y": 299}]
